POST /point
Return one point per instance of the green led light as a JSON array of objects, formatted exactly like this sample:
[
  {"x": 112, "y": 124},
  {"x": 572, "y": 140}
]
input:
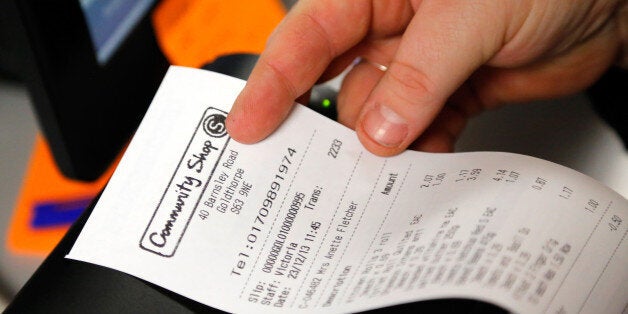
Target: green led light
[{"x": 326, "y": 103}]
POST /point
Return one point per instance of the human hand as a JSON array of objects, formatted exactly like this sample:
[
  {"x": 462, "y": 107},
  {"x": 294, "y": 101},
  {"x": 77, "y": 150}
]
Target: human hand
[{"x": 446, "y": 60}]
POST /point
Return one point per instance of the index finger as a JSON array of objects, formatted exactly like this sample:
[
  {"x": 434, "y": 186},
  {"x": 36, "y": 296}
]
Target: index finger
[{"x": 298, "y": 52}]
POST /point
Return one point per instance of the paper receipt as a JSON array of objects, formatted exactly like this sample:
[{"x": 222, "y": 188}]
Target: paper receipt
[{"x": 309, "y": 221}]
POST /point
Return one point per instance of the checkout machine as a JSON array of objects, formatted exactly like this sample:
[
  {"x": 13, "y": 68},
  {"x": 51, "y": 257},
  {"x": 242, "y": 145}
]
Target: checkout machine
[{"x": 92, "y": 67}]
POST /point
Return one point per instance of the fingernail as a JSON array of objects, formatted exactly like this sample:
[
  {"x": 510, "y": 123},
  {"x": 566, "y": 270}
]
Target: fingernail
[{"x": 385, "y": 126}]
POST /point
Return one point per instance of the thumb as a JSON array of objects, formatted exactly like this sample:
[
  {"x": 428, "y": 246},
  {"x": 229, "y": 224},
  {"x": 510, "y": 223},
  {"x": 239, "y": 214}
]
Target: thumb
[{"x": 443, "y": 45}]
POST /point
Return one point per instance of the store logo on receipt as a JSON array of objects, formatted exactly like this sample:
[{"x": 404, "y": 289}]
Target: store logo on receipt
[
  {"x": 183, "y": 193},
  {"x": 214, "y": 125}
]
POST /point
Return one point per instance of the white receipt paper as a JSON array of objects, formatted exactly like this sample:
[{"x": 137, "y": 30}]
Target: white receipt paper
[{"x": 309, "y": 221}]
